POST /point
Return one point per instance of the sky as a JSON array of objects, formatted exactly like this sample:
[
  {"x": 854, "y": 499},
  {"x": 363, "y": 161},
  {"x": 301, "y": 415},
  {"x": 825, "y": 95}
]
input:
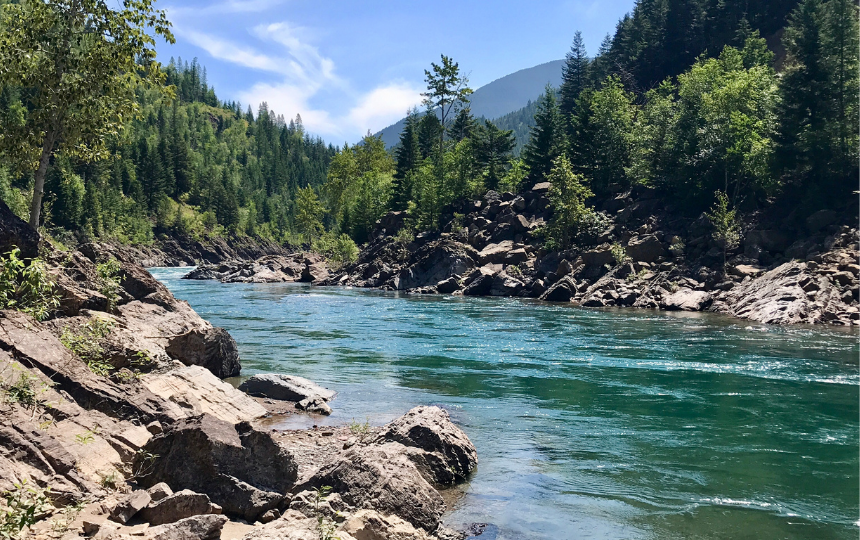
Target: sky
[{"x": 352, "y": 66}]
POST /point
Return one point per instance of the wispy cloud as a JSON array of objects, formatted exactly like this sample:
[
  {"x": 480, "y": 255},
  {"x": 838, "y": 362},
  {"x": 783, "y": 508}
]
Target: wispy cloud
[{"x": 304, "y": 72}]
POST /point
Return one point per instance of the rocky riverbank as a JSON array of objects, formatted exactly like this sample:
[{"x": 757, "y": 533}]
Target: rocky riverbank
[
  {"x": 645, "y": 256},
  {"x": 116, "y": 425}
]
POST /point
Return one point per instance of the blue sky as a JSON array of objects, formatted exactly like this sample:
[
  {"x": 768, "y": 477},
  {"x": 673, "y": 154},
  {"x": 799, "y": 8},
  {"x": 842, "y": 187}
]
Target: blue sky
[{"x": 349, "y": 67}]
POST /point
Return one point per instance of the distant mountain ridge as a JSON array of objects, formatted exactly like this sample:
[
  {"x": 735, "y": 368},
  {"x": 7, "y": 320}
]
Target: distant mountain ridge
[{"x": 500, "y": 97}]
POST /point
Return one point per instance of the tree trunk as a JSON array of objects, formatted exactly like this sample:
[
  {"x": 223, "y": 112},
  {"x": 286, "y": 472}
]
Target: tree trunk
[{"x": 41, "y": 172}]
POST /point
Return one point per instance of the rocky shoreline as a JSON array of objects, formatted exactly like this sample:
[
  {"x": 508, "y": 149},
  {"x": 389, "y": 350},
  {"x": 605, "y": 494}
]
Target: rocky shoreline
[
  {"x": 116, "y": 425},
  {"x": 645, "y": 257}
]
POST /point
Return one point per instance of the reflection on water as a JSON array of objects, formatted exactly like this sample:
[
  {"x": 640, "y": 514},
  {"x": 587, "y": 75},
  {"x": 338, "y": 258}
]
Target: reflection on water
[{"x": 588, "y": 424}]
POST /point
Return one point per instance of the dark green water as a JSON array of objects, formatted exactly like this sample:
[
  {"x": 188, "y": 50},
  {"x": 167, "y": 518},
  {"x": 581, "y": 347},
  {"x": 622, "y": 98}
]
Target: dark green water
[{"x": 588, "y": 424}]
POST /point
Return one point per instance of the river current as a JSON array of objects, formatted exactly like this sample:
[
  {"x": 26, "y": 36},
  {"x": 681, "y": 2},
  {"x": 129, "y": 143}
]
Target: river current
[{"x": 588, "y": 423}]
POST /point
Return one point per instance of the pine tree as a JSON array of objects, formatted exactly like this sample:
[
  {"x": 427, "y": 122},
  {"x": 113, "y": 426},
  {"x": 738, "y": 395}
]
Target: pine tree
[
  {"x": 492, "y": 152},
  {"x": 463, "y": 126},
  {"x": 574, "y": 76},
  {"x": 545, "y": 139},
  {"x": 408, "y": 157},
  {"x": 429, "y": 129}
]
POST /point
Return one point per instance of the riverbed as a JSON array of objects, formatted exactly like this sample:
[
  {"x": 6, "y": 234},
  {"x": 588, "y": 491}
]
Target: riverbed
[{"x": 588, "y": 423}]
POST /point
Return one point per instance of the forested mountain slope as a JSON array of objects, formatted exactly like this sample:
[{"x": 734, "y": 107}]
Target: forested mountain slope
[{"x": 499, "y": 97}]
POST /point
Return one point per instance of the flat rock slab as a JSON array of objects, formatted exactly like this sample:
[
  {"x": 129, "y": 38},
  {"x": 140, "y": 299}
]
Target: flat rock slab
[
  {"x": 285, "y": 388},
  {"x": 198, "y": 391}
]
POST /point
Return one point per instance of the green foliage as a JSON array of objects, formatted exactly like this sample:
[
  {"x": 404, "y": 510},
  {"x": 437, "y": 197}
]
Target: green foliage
[
  {"x": 492, "y": 149},
  {"x": 25, "y": 391},
  {"x": 86, "y": 343},
  {"x": 567, "y": 197},
  {"x": 86, "y": 80},
  {"x": 340, "y": 250},
  {"x": 325, "y": 527},
  {"x": 24, "y": 507},
  {"x": 546, "y": 139},
  {"x": 601, "y": 132},
  {"x": 727, "y": 230},
  {"x": 109, "y": 281},
  {"x": 619, "y": 254},
  {"x": 447, "y": 91},
  {"x": 575, "y": 78},
  {"x": 309, "y": 213},
  {"x": 86, "y": 437},
  {"x": 514, "y": 177},
  {"x": 360, "y": 429},
  {"x": 818, "y": 131},
  {"x": 26, "y": 286}
]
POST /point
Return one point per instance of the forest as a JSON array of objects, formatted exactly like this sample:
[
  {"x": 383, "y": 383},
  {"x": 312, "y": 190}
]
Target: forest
[{"x": 733, "y": 103}]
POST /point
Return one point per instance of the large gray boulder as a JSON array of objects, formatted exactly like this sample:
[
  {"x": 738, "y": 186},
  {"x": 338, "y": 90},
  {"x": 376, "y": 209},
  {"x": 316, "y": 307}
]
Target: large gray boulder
[
  {"x": 430, "y": 429},
  {"x": 382, "y": 478},
  {"x": 241, "y": 469},
  {"x": 285, "y": 388},
  {"x": 213, "y": 348},
  {"x": 645, "y": 249}
]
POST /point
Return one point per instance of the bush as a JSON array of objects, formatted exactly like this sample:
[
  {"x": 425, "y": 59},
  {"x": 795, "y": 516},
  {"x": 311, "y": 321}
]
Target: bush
[
  {"x": 87, "y": 345},
  {"x": 24, "y": 507},
  {"x": 571, "y": 217},
  {"x": 339, "y": 250},
  {"x": 26, "y": 287},
  {"x": 109, "y": 281},
  {"x": 619, "y": 253}
]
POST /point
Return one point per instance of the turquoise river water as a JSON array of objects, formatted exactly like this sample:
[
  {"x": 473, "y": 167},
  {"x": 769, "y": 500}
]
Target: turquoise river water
[{"x": 588, "y": 423}]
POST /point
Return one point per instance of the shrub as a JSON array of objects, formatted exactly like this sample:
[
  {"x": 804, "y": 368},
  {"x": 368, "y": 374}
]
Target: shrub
[
  {"x": 26, "y": 287},
  {"x": 339, "y": 250},
  {"x": 24, "y": 507},
  {"x": 109, "y": 281},
  {"x": 87, "y": 345},
  {"x": 619, "y": 253},
  {"x": 571, "y": 217}
]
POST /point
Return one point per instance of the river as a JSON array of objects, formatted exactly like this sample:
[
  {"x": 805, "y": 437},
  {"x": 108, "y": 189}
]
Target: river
[{"x": 588, "y": 423}]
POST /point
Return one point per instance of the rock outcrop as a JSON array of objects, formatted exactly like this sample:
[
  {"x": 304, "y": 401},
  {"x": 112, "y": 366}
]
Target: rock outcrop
[
  {"x": 285, "y": 387},
  {"x": 644, "y": 257},
  {"x": 240, "y": 468},
  {"x": 301, "y": 267}
]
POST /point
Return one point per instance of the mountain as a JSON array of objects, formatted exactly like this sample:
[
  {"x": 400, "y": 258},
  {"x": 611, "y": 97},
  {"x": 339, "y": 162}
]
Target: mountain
[{"x": 500, "y": 97}]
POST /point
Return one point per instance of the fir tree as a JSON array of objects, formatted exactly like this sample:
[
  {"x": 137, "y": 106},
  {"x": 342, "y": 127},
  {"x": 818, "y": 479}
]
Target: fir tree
[
  {"x": 408, "y": 157},
  {"x": 545, "y": 139},
  {"x": 574, "y": 76},
  {"x": 463, "y": 126}
]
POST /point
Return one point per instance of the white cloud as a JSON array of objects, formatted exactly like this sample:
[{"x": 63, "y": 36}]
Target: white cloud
[
  {"x": 304, "y": 73},
  {"x": 383, "y": 106},
  {"x": 231, "y": 52}
]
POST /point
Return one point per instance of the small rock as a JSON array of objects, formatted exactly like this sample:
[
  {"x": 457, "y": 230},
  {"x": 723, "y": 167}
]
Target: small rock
[
  {"x": 314, "y": 404},
  {"x": 131, "y": 505},
  {"x": 160, "y": 491},
  {"x": 181, "y": 505},
  {"x": 154, "y": 427}
]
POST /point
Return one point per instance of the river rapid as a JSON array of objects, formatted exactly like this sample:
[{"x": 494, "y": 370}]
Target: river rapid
[{"x": 588, "y": 423}]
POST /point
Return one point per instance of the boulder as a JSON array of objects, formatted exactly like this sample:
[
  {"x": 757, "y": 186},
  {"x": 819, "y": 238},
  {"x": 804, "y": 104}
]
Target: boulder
[
  {"x": 768, "y": 240},
  {"x": 181, "y": 505},
  {"x": 744, "y": 270},
  {"x": 315, "y": 272},
  {"x": 516, "y": 256},
  {"x": 430, "y": 429},
  {"x": 14, "y": 232},
  {"x": 240, "y": 468},
  {"x": 561, "y": 291},
  {"x": 159, "y": 491},
  {"x": 371, "y": 525},
  {"x": 646, "y": 248},
  {"x": 821, "y": 219},
  {"x": 129, "y": 506},
  {"x": 314, "y": 404},
  {"x": 541, "y": 187},
  {"x": 448, "y": 286},
  {"x": 481, "y": 284},
  {"x": 495, "y": 253},
  {"x": 687, "y": 300},
  {"x": 206, "y": 527},
  {"x": 598, "y": 256},
  {"x": 213, "y": 348},
  {"x": 294, "y": 525},
  {"x": 381, "y": 478},
  {"x": 434, "y": 262},
  {"x": 285, "y": 388},
  {"x": 505, "y": 285}
]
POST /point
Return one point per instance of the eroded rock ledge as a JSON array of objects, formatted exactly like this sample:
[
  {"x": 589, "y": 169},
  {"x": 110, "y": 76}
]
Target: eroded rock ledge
[{"x": 149, "y": 444}]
